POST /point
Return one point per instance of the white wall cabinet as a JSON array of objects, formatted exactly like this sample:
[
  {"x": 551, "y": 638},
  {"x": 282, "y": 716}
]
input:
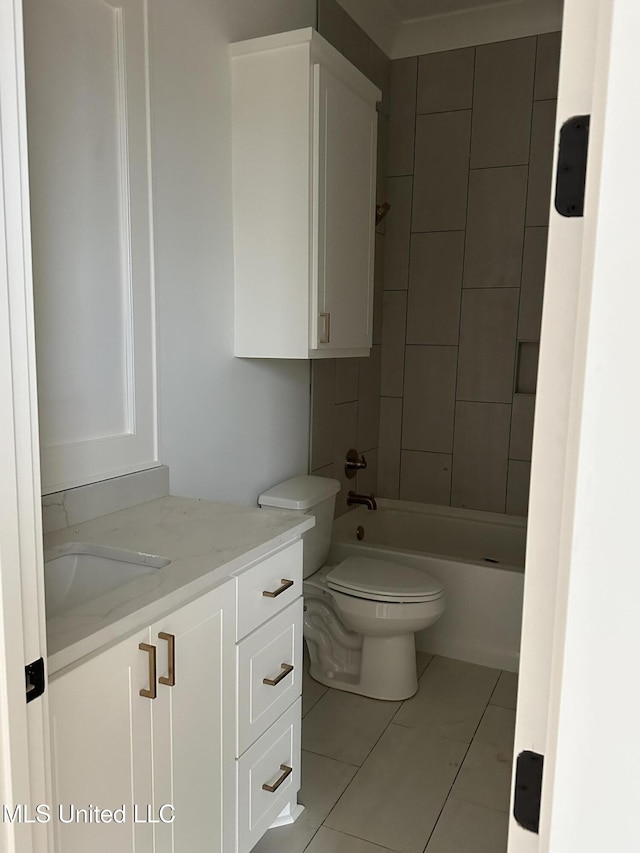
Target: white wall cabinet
[
  {"x": 113, "y": 747},
  {"x": 304, "y": 170}
]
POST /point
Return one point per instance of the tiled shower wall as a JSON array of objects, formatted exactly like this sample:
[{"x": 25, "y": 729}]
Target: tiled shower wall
[
  {"x": 346, "y": 392},
  {"x": 469, "y": 165}
]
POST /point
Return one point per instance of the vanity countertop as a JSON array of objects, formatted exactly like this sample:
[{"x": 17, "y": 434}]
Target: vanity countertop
[{"x": 207, "y": 542}]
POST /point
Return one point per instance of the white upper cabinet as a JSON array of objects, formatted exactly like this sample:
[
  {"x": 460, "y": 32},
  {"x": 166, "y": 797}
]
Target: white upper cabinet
[
  {"x": 87, "y": 109},
  {"x": 304, "y": 170}
]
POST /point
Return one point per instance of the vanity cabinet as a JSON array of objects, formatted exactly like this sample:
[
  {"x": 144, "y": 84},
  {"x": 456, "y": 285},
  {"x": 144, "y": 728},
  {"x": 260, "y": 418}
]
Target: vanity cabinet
[
  {"x": 304, "y": 170},
  {"x": 199, "y": 713},
  {"x": 113, "y": 747}
]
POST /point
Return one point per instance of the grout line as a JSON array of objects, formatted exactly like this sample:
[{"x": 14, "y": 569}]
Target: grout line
[
  {"x": 462, "y": 287},
  {"x": 492, "y": 168},
  {"x": 462, "y": 762}
]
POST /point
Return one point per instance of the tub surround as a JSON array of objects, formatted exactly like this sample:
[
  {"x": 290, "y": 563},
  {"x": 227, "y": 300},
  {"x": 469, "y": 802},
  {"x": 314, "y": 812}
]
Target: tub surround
[{"x": 206, "y": 542}]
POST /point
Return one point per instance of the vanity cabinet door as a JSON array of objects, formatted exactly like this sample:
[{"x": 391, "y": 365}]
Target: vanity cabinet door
[
  {"x": 193, "y": 722},
  {"x": 101, "y": 751}
]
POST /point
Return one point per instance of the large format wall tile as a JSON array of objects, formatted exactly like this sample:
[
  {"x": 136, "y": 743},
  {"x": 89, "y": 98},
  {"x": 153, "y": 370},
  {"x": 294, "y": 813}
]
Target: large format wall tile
[
  {"x": 435, "y": 283},
  {"x": 488, "y": 344},
  {"x": 495, "y": 229},
  {"x": 441, "y": 171},
  {"x": 541, "y": 162},
  {"x": 389, "y": 440},
  {"x": 394, "y": 315},
  {"x": 445, "y": 81},
  {"x": 547, "y": 66},
  {"x": 429, "y": 398},
  {"x": 522, "y": 426},
  {"x": 502, "y": 98},
  {"x": 532, "y": 287},
  {"x": 518, "y": 487},
  {"x": 397, "y": 233},
  {"x": 378, "y": 287},
  {"x": 380, "y": 74},
  {"x": 346, "y": 380},
  {"x": 425, "y": 477},
  {"x": 345, "y": 436},
  {"x": 323, "y": 389},
  {"x": 368, "y": 400},
  {"x": 382, "y": 157},
  {"x": 402, "y": 116},
  {"x": 480, "y": 456}
]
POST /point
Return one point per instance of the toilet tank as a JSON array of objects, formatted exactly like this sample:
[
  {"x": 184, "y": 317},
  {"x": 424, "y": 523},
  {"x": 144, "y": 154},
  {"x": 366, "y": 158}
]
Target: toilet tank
[{"x": 308, "y": 495}]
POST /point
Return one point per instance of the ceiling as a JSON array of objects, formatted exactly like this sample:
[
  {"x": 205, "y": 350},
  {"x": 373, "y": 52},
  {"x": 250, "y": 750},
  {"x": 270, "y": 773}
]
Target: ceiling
[{"x": 413, "y": 10}]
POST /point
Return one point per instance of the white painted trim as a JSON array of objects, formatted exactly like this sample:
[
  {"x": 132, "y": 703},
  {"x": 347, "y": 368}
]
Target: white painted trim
[
  {"x": 592, "y": 787},
  {"x": 24, "y": 738},
  {"x": 544, "y": 582}
]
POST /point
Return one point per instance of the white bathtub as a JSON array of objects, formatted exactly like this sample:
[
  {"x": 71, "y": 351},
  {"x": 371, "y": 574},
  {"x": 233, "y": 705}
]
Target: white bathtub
[{"x": 477, "y": 556}]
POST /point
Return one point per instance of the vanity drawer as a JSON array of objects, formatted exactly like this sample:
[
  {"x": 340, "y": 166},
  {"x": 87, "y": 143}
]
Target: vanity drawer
[
  {"x": 268, "y": 588},
  {"x": 267, "y": 762},
  {"x": 269, "y": 674}
]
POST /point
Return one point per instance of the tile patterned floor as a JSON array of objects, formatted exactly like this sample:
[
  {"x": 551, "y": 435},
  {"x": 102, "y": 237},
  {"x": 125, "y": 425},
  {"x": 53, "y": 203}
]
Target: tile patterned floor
[{"x": 429, "y": 775}]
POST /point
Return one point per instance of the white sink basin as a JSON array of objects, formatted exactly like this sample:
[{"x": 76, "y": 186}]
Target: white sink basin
[{"x": 79, "y": 572}]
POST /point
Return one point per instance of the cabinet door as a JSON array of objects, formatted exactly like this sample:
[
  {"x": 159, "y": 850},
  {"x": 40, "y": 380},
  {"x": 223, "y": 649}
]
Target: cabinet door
[
  {"x": 101, "y": 750},
  {"x": 345, "y": 130},
  {"x": 193, "y": 724}
]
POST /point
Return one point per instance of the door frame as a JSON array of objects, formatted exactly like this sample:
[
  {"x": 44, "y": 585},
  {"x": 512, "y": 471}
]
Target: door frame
[{"x": 24, "y": 737}]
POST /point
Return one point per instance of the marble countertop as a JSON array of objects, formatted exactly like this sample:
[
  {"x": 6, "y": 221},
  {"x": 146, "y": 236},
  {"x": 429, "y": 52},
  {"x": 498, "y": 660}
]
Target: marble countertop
[{"x": 206, "y": 542}]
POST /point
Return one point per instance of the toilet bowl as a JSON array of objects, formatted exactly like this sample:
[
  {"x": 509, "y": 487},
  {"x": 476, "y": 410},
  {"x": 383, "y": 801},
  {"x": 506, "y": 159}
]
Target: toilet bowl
[{"x": 361, "y": 614}]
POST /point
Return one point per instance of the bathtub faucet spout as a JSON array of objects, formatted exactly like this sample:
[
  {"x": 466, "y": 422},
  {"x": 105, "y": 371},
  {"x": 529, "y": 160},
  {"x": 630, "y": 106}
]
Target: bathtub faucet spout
[{"x": 365, "y": 500}]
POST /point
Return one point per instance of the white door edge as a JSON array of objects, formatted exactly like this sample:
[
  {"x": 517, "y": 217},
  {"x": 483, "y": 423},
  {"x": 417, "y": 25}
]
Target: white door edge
[{"x": 24, "y": 739}]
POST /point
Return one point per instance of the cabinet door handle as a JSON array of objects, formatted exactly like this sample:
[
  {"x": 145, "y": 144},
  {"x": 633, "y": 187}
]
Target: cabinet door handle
[
  {"x": 151, "y": 650},
  {"x": 169, "y": 679},
  {"x": 286, "y": 669},
  {"x": 276, "y": 592},
  {"x": 326, "y": 337},
  {"x": 286, "y": 771}
]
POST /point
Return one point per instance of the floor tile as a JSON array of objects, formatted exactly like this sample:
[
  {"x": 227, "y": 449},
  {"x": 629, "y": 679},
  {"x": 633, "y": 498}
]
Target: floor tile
[
  {"x": 323, "y": 782},
  {"x": 468, "y": 828},
  {"x": 397, "y": 795},
  {"x": 451, "y": 698},
  {"x": 329, "y": 841},
  {"x": 485, "y": 776},
  {"x": 346, "y": 726},
  {"x": 506, "y": 691},
  {"x": 312, "y": 691},
  {"x": 423, "y": 659}
]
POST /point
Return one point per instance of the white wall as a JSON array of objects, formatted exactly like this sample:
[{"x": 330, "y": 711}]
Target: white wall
[{"x": 228, "y": 427}]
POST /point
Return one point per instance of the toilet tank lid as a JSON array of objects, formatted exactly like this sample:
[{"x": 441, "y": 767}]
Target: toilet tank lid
[{"x": 300, "y": 493}]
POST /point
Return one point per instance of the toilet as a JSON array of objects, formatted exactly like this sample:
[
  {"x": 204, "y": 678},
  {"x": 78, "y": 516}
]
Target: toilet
[{"x": 361, "y": 614}]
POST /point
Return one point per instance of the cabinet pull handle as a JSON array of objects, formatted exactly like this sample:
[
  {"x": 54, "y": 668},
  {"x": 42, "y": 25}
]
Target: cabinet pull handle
[
  {"x": 326, "y": 337},
  {"x": 169, "y": 679},
  {"x": 276, "y": 592},
  {"x": 286, "y": 771},
  {"x": 286, "y": 669},
  {"x": 151, "y": 650}
]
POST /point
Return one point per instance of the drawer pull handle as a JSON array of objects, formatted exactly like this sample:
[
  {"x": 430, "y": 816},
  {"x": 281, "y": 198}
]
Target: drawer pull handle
[
  {"x": 286, "y": 669},
  {"x": 276, "y": 592},
  {"x": 169, "y": 679},
  {"x": 286, "y": 771},
  {"x": 151, "y": 651}
]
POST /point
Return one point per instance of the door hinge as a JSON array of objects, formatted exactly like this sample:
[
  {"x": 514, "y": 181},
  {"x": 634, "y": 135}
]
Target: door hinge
[
  {"x": 34, "y": 678},
  {"x": 572, "y": 166},
  {"x": 528, "y": 790}
]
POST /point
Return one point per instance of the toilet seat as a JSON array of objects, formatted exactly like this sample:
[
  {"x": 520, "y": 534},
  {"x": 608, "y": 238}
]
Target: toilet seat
[{"x": 379, "y": 580}]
